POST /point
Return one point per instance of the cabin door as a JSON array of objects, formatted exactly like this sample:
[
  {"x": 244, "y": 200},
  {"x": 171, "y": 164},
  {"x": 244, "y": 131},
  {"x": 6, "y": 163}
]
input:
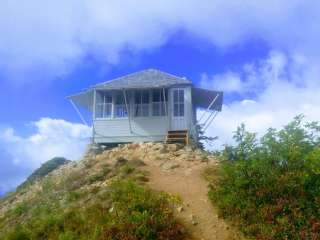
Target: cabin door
[{"x": 178, "y": 106}]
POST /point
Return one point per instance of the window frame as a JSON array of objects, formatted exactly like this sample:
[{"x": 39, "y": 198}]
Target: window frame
[
  {"x": 104, "y": 95},
  {"x": 178, "y": 103},
  {"x": 140, "y": 107},
  {"x": 122, "y": 106},
  {"x": 161, "y": 103}
]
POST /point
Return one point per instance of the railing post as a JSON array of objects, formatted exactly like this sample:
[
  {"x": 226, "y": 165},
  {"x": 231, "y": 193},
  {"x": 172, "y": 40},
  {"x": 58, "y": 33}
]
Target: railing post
[
  {"x": 213, "y": 101},
  {"x": 93, "y": 113},
  {"x": 128, "y": 110}
]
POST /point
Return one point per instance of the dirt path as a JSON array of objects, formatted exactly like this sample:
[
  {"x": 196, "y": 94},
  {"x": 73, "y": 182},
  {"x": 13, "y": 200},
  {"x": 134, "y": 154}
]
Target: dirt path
[{"x": 197, "y": 215}]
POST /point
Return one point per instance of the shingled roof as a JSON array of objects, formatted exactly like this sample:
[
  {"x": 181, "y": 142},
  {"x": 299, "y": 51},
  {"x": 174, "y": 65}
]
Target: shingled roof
[{"x": 150, "y": 78}]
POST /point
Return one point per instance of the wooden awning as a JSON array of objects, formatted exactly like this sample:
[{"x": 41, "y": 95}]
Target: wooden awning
[{"x": 202, "y": 98}]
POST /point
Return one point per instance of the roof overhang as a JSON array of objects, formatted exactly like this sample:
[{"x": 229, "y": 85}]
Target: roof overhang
[
  {"x": 83, "y": 99},
  {"x": 153, "y": 86},
  {"x": 202, "y": 98}
]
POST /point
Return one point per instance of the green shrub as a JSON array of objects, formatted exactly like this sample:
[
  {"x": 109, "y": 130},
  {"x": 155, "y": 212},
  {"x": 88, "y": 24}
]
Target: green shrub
[
  {"x": 96, "y": 177},
  {"x": 140, "y": 213},
  {"x": 272, "y": 185},
  {"x": 124, "y": 210},
  {"x": 20, "y": 209},
  {"x": 18, "y": 234}
]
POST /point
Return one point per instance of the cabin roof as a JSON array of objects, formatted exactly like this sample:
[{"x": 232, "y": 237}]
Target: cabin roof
[
  {"x": 150, "y": 78},
  {"x": 147, "y": 79}
]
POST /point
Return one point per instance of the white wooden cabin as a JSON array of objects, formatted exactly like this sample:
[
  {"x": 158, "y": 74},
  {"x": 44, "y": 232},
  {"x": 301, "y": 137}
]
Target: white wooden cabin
[{"x": 149, "y": 105}]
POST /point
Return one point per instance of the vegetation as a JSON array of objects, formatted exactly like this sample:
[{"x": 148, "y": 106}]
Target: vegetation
[
  {"x": 45, "y": 169},
  {"x": 271, "y": 186},
  {"x": 203, "y": 138},
  {"x": 101, "y": 202}
]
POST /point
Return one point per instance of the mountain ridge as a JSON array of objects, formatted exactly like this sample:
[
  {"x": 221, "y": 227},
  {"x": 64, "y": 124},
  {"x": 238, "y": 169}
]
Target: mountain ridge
[{"x": 104, "y": 179}]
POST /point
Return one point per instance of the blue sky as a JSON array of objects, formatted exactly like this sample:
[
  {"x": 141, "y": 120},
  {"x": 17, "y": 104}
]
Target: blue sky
[{"x": 264, "y": 55}]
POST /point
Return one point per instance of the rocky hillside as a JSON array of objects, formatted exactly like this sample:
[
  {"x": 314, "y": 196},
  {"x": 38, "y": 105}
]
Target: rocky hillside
[
  {"x": 44, "y": 170},
  {"x": 117, "y": 194}
]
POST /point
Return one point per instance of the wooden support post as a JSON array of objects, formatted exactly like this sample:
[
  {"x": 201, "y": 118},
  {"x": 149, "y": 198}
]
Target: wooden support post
[
  {"x": 128, "y": 110},
  {"x": 94, "y": 112}
]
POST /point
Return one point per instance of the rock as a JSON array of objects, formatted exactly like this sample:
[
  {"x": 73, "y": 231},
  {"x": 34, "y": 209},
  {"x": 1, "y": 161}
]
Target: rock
[
  {"x": 184, "y": 157},
  {"x": 136, "y": 162},
  {"x": 204, "y": 159},
  {"x": 120, "y": 162},
  {"x": 180, "y": 209},
  {"x": 170, "y": 166},
  {"x": 198, "y": 152},
  {"x": 193, "y": 220},
  {"x": 111, "y": 209},
  {"x": 163, "y": 150},
  {"x": 188, "y": 149},
  {"x": 172, "y": 147}
]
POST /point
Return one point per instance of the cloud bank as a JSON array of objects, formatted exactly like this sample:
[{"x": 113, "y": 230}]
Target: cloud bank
[
  {"x": 52, "y": 137},
  {"x": 55, "y": 35},
  {"x": 282, "y": 86},
  {"x": 51, "y": 37}
]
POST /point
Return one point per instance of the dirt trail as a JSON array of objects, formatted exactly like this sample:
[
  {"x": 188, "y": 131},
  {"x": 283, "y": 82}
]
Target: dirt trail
[
  {"x": 178, "y": 170},
  {"x": 197, "y": 215}
]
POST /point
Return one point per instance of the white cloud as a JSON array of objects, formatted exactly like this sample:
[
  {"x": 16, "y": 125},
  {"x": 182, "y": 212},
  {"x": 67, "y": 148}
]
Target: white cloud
[
  {"x": 55, "y": 35},
  {"x": 53, "y": 137},
  {"x": 290, "y": 87},
  {"x": 227, "y": 82}
]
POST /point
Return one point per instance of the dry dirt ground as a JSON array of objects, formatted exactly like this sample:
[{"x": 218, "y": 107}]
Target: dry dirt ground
[{"x": 197, "y": 212}]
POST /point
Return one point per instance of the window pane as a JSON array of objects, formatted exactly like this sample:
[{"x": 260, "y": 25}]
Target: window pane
[
  {"x": 99, "y": 110},
  {"x": 145, "y": 97},
  {"x": 181, "y": 108},
  {"x": 156, "y": 109},
  {"x": 145, "y": 110},
  {"x": 176, "y": 110},
  {"x": 175, "y": 96},
  {"x": 137, "y": 110},
  {"x": 156, "y": 96},
  {"x": 119, "y": 98},
  {"x": 108, "y": 98},
  {"x": 107, "y": 110},
  {"x": 181, "y": 96},
  {"x": 120, "y": 111},
  {"x": 137, "y": 97}
]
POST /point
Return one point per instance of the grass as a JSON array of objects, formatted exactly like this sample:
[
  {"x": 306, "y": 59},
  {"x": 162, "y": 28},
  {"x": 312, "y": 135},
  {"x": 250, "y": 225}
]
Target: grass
[{"x": 73, "y": 206}]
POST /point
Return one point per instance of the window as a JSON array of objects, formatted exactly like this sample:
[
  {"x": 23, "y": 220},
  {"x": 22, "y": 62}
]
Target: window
[
  {"x": 158, "y": 102},
  {"x": 141, "y": 103},
  {"x": 178, "y": 103},
  {"x": 120, "y": 109},
  {"x": 103, "y": 105}
]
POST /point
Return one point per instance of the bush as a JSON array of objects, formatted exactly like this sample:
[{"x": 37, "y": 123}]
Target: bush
[
  {"x": 271, "y": 186},
  {"x": 139, "y": 213},
  {"x": 122, "y": 211}
]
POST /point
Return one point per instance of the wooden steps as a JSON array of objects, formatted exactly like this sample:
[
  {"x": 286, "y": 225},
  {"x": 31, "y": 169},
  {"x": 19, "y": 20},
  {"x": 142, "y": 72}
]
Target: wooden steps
[{"x": 178, "y": 136}]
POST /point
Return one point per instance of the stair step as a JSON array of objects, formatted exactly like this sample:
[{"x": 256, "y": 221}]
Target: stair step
[
  {"x": 178, "y": 131},
  {"x": 176, "y": 140},
  {"x": 178, "y": 136}
]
